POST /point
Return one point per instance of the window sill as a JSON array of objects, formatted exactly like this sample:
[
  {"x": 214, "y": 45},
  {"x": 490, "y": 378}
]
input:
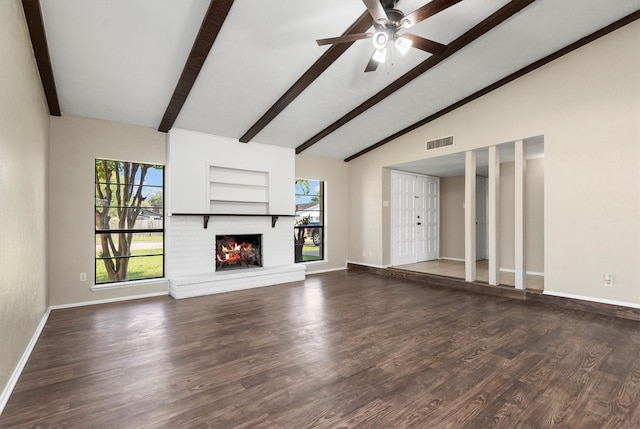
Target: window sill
[
  {"x": 324, "y": 261},
  {"x": 132, "y": 283}
]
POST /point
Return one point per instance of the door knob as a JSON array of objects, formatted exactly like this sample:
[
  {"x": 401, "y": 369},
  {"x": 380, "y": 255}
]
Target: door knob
[{"x": 419, "y": 223}]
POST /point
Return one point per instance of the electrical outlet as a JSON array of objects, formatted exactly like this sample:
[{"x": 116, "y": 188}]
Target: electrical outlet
[
  {"x": 608, "y": 280},
  {"x": 364, "y": 253},
  {"x": 83, "y": 277}
]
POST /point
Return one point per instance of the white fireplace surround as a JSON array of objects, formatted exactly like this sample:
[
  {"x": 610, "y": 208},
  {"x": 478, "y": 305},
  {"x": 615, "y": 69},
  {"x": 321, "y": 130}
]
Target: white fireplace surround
[
  {"x": 191, "y": 254},
  {"x": 210, "y": 174}
]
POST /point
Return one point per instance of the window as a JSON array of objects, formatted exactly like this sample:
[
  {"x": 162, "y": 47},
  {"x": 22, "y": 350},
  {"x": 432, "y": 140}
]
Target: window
[
  {"x": 129, "y": 216},
  {"x": 309, "y": 224}
]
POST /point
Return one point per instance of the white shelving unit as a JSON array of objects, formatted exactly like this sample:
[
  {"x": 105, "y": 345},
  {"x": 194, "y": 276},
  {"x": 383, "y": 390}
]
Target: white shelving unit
[{"x": 233, "y": 190}]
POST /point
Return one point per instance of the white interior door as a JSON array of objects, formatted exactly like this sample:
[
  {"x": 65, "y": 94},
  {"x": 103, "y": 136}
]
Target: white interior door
[
  {"x": 414, "y": 218},
  {"x": 481, "y": 218},
  {"x": 403, "y": 223},
  {"x": 427, "y": 218}
]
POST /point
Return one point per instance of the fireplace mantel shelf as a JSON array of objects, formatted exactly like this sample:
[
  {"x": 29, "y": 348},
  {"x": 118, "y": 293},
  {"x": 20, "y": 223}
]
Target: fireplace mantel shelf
[{"x": 205, "y": 216}]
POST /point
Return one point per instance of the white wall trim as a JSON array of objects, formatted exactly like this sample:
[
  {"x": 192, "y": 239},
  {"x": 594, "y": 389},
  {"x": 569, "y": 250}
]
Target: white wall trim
[
  {"x": 470, "y": 161},
  {"x": 129, "y": 284},
  {"x": 328, "y": 270},
  {"x": 530, "y": 273},
  {"x": 505, "y": 270},
  {"x": 312, "y": 263},
  {"x": 452, "y": 259},
  {"x": 6, "y": 393},
  {"x": 108, "y": 300},
  {"x": 591, "y": 299},
  {"x": 368, "y": 265}
]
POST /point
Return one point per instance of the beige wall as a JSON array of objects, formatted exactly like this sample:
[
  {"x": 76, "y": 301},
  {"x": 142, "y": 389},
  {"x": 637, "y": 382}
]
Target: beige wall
[
  {"x": 334, "y": 173},
  {"x": 75, "y": 144},
  {"x": 587, "y": 110},
  {"x": 24, "y": 136},
  {"x": 452, "y": 216},
  {"x": 534, "y": 215}
]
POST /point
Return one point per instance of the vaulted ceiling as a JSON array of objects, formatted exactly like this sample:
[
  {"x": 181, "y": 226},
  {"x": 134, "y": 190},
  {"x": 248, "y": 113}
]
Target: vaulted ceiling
[{"x": 252, "y": 70}]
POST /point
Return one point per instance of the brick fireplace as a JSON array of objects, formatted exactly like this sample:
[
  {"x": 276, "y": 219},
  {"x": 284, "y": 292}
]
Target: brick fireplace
[
  {"x": 191, "y": 255},
  {"x": 219, "y": 188}
]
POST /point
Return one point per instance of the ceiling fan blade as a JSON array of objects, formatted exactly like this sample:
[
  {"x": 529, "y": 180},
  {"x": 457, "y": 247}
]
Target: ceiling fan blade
[
  {"x": 343, "y": 39},
  {"x": 376, "y": 11},
  {"x": 426, "y": 11},
  {"x": 425, "y": 44},
  {"x": 372, "y": 65}
]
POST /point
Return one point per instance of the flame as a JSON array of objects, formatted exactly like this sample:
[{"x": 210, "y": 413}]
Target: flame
[{"x": 233, "y": 252}]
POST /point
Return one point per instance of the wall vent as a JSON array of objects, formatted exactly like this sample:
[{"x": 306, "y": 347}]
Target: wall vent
[{"x": 435, "y": 144}]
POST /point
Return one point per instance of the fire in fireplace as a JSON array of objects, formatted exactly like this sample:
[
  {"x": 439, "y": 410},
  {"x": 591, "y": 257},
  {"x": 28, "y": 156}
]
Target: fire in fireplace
[{"x": 238, "y": 251}]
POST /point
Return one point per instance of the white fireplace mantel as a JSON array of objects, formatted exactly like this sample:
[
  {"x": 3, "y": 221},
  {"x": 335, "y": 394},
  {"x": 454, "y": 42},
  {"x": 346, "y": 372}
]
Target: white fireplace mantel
[
  {"x": 206, "y": 216},
  {"x": 249, "y": 189}
]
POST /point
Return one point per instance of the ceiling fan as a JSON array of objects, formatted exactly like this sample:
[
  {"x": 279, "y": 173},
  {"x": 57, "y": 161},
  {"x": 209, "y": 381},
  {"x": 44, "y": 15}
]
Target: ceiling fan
[{"x": 387, "y": 22}]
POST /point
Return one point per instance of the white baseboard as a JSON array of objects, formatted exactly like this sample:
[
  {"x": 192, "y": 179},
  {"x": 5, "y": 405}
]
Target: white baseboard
[
  {"x": 6, "y": 393},
  {"x": 327, "y": 270},
  {"x": 108, "y": 300},
  {"x": 591, "y": 299},
  {"x": 367, "y": 265},
  {"x": 529, "y": 273},
  {"x": 505, "y": 270}
]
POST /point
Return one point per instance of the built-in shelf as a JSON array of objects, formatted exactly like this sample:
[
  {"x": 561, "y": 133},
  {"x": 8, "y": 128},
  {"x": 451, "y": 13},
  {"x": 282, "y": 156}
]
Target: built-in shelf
[
  {"x": 246, "y": 207},
  {"x": 234, "y": 190},
  {"x": 239, "y": 192},
  {"x": 206, "y": 216}
]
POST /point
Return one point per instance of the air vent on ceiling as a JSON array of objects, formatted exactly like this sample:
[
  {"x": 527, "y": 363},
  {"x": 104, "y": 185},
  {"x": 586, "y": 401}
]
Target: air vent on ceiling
[{"x": 435, "y": 144}]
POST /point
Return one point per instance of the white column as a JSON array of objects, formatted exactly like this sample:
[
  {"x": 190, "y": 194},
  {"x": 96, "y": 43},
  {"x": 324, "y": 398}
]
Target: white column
[
  {"x": 521, "y": 167},
  {"x": 470, "y": 216},
  {"x": 494, "y": 215}
]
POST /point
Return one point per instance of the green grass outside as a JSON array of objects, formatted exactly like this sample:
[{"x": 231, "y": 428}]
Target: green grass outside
[
  {"x": 139, "y": 268},
  {"x": 311, "y": 253}
]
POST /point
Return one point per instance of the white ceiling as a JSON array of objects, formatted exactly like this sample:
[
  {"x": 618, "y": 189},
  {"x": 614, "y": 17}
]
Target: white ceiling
[{"x": 120, "y": 60}]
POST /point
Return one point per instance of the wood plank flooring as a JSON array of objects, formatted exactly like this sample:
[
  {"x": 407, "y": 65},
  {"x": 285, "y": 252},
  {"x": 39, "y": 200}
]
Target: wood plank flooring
[{"x": 342, "y": 349}]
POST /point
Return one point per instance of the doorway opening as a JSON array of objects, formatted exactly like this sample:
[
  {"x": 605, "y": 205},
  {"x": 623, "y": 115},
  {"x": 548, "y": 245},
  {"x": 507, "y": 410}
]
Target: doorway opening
[{"x": 450, "y": 172}]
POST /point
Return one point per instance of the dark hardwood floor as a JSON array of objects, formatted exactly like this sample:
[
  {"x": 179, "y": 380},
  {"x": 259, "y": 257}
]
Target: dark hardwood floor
[{"x": 342, "y": 349}]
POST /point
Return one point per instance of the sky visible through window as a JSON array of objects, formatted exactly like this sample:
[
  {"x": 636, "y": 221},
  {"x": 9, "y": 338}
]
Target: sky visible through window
[
  {"x": 153, "y": 180},
  {"x": 314, "y": 190}
]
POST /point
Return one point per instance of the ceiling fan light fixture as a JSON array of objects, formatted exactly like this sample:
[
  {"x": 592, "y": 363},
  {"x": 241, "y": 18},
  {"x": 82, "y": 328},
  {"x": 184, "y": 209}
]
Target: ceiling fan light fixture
[
  {"x": 380, "y": 40},
  {"x": 380, "y": 55},
  {"x": 403, "y": 44}
]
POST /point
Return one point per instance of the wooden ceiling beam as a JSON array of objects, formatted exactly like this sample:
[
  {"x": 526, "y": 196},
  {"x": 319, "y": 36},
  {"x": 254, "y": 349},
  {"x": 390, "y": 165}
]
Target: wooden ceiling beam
[
  {"x": 209, "y": 29},
  {"x": 362, "y": 24},
  {"x": 523, "y": 71},
  {"x": 474, "y": 33},
  {"x": 33, "y": 15}
]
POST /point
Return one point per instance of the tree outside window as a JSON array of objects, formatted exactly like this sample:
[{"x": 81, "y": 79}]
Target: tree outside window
[
  {"x": 309, "y": 223},
  {"x": 129, "y": 221}
]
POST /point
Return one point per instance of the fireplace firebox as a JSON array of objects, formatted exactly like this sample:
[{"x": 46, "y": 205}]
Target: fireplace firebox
[{"x": 238, "y": 251}]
